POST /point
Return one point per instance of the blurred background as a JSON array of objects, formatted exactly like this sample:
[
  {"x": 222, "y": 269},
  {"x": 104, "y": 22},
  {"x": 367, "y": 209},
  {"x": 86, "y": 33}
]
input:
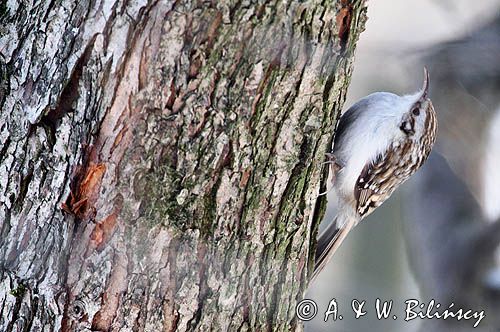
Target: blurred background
[{"x": 437, "y": 237}]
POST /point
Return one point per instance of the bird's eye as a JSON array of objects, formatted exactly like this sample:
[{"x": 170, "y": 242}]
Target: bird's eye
[{"x": 416, "y": 111}]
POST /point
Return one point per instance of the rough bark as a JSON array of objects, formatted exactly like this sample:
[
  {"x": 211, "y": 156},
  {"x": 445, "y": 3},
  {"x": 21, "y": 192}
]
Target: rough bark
[{"x": 160, "y": 160}]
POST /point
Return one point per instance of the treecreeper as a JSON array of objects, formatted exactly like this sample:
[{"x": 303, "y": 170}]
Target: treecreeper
[{"x": 380, "y": 142}]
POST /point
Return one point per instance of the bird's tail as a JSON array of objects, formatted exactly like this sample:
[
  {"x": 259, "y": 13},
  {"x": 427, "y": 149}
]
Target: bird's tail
[{"x": 329, "y": 241}]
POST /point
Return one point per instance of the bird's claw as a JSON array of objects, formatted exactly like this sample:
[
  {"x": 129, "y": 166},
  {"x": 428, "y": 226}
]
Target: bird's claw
[{"x": 335, "y": 167}]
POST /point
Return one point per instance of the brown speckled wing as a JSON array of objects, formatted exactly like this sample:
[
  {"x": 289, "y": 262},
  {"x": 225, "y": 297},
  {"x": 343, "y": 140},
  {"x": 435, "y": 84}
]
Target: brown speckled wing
[{"x": 382, "y": 176}]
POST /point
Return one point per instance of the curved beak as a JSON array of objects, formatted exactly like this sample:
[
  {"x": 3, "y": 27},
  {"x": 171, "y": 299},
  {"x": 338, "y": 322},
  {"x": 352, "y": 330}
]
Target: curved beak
[{"x": 425, "y": 88}]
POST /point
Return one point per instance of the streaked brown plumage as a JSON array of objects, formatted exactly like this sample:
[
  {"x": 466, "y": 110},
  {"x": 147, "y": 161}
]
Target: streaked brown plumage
[{"x": 380, "y": 178}]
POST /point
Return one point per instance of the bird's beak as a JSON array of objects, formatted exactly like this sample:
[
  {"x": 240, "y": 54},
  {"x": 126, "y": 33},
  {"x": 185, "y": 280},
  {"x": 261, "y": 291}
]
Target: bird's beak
[{"x": 425, "y": 87}]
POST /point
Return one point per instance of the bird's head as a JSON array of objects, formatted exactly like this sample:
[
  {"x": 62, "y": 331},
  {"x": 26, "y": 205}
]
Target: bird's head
[{"x": 419, "y": 119}]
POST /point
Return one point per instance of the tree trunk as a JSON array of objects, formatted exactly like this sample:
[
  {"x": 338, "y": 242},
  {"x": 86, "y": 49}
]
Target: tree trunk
[{"x": 160, "y": 161}]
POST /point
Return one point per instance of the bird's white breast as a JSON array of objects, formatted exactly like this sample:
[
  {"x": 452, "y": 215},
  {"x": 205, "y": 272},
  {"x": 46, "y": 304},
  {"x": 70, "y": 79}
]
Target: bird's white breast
[{"x": 371, "y": 133}]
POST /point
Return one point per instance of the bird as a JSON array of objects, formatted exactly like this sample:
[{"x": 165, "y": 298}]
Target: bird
[{"x": 379, "y": 143}]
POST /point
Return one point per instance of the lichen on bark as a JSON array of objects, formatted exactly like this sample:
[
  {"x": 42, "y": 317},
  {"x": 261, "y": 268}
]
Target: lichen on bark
[{"x": 161, "y": 160}]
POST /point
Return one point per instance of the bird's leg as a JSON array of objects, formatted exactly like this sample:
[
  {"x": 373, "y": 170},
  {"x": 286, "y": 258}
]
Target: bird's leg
[{"x": 335, "y": 167}]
